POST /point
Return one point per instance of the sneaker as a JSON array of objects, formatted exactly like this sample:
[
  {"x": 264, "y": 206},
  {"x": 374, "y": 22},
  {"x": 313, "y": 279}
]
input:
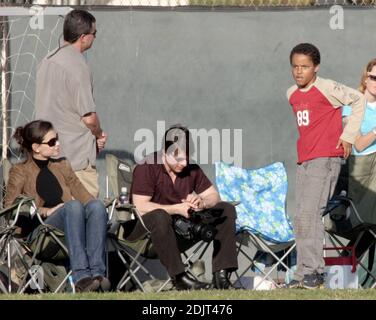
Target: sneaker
[
  {"x": 313, "y": 281},
  {"x": 294, "y": 284}
]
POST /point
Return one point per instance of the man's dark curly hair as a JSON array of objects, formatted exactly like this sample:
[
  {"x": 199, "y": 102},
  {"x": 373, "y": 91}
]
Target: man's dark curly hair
[{"x": 307, "y": 49}]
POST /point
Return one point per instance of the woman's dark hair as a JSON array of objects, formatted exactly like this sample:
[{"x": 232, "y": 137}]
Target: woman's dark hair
[
  {"x": 32, "y": 132},
  {"x": 176, "y": 136},
  {"x": 77, "y": 23},
  {"x": 307, "y": 49}
]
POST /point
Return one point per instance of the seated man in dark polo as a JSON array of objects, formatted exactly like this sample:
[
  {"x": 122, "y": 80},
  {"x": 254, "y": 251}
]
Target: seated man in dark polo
[{"x": 166, "y": 184}]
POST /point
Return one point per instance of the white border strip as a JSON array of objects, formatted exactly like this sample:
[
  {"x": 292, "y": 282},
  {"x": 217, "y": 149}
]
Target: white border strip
[{"x": 33, "y": 10}]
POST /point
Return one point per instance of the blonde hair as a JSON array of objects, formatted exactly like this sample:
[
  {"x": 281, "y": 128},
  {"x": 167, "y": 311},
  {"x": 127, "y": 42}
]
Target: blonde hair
[{"x": 368, "y": 68}]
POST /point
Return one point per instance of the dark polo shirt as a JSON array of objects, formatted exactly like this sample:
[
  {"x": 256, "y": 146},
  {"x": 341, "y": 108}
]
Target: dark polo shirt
[{"x": 151, "y": 179}]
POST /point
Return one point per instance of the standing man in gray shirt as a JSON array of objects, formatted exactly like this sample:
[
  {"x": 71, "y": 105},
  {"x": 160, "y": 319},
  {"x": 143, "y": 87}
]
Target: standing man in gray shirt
[{"x": 64, "y": 96}]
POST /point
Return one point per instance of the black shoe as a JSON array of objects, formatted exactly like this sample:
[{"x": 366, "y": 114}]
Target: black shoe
[
  {"x": 313, "y": 281},
  {"x": 105, "y": 284},
  {"x": 221, "y": 280},
  {"x": 184, "y": 281},
  {"x": 87, "y": 284}
]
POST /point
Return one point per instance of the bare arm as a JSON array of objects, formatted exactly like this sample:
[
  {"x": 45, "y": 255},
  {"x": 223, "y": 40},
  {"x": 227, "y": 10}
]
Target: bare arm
[
  {"x": 364, "y": 141},
  {"x": 207, "y": 199},
  {"x": 352, "y": 128},
  {"x": 144, "y": 205},
  {"x": 91, "y": 121},
  {"x": 210, "y": 197}
]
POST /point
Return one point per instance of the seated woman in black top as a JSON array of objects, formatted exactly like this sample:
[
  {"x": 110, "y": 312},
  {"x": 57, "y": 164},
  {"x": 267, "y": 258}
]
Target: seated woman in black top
[{"x": 63, "y": 202}]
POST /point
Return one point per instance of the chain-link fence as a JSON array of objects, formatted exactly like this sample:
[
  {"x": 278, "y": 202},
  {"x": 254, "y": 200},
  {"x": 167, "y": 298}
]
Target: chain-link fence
[{"x": 197, "y": 3}]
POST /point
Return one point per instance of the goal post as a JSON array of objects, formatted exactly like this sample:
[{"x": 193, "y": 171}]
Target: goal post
[{"x": 4, "y": 80}]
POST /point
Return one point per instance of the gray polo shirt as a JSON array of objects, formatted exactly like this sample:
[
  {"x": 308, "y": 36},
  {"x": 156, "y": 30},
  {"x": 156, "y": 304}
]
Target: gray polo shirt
[{"x": 64, "y": 94}]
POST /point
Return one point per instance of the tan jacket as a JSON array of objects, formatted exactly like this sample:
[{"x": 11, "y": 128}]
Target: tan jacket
[{"x": 23, "y": 177}]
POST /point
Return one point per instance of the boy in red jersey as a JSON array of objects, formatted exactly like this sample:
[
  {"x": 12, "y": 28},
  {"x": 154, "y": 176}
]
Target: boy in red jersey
[{"x": 321, "y": 146}]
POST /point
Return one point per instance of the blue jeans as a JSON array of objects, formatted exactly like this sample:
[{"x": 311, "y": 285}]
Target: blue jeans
[{"x": 85, "y": 235}]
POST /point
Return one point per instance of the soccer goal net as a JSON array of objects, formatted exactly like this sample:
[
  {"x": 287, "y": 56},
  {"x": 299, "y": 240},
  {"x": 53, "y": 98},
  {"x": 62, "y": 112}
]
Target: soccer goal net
[{"x": 26, "y": 36}]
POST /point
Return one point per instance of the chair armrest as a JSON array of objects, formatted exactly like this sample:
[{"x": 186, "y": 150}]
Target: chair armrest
[
  {"x": 14, "y": 210},
  {"x": 339, "y": 200}
]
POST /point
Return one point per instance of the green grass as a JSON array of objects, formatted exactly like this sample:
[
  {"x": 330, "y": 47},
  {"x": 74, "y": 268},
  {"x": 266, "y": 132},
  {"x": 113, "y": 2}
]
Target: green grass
[{"x": 280, "y": 294}]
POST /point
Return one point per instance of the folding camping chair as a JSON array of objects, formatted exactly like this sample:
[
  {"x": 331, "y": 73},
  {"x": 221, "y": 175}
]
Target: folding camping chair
[
  {"x": 350, "y": 214},
  {"x": 49, "y": 260},
  {"x": 13, "y": 261},
  {"x": 344, "y": 223},
  {"x": 134, "y": 254},
  {"x": 262, "y": 222},
  {"x": 40, "y": 262},
  {"x": 35, "y": 264},
  {"x": 13, "y": 257}
]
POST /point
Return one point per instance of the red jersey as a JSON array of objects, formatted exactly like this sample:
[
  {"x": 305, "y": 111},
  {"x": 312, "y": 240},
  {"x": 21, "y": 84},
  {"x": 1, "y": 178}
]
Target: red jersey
[{"x": 319, "y": 118}]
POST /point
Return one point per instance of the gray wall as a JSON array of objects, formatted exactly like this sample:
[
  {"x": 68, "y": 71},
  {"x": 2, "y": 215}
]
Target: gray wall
[
  {"x": 218, "y": 70},
  {"x": 213, "y": 69}
]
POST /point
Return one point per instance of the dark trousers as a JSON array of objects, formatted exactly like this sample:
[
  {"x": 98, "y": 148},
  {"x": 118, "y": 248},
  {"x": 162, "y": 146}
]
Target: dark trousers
[{"x": 166, "y": 245}]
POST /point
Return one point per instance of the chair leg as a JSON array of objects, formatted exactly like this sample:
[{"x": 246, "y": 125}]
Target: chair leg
[
  {"x": 132, "y": 268},
  {"x": 337, "y": 242},
  {"x": 30, "y": 277},
  {"x": 262, "y": 245}
]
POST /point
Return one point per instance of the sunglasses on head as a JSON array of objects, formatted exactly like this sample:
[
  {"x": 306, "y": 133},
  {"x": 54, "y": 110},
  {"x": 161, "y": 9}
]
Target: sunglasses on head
[
  {"x": 52, "y": 142},
  {"x": 372, "y": 77}
]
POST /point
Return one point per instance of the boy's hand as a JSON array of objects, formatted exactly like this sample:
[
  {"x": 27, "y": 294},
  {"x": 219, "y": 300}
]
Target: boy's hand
[{"x": 347, "y": 147}]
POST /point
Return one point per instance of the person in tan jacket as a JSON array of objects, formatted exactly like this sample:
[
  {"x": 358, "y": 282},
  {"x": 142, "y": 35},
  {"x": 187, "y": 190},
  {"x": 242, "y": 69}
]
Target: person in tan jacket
[{"x": 62, "y": 201}]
